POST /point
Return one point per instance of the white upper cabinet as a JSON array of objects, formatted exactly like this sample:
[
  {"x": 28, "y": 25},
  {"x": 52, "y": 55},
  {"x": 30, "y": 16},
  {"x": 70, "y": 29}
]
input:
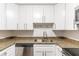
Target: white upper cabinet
[
  {"x": 12, "y": 16},
  {"x": 48, "y": 14},
  {"x": 37, "y": 13},
  {"x": 70, "y": 16},
  {"x": 25, "y": 17},
  {"x": 43, "y": 13},
  {"x": 2, "y": 16},
  {"x": 22, "y": 16},
  {"x": 59, "y": 14},
  {"x": 65, "y": 16}
]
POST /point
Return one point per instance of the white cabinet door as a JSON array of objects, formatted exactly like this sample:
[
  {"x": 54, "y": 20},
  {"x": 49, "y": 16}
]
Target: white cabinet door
[
  {"x": 47, "y": 50},
  {"x": 29, "y": 17},
  {"x": 59, "y": 16},
  {"x": 53, "y": 50},
  {"x": 25, "y": 17},
  {"x": 22, "y": 17},
  {"x": 3, "y": 53},
  {"x": 11, "y": 51},
  {"x": 48, "y": 16},
  {"x": 12, "y": 16},
  {"x": 43, "y": 13},
  {"x": 50, "y": 50},
  {"x": 37, "y": 13},
  {"x": 58, "y": 50},
  {"x": 2, "y": 16},
  {"x": 38, "y": 50},
  {"x": 70, "y": 16}
]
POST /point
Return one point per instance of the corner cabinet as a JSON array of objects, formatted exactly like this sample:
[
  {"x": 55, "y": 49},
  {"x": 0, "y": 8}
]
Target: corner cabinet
[
  {"x": 65, "y": 16},
  {"x": 70, "y": 16}
]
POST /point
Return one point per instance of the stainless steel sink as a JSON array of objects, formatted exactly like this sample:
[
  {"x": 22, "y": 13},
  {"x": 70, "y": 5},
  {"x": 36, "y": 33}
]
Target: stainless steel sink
[{"x": 42, "y": 40}]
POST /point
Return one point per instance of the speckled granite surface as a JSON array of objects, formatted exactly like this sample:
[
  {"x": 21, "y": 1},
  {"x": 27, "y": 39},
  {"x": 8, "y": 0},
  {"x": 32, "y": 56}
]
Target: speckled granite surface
[{"x": 63, "y": 42}]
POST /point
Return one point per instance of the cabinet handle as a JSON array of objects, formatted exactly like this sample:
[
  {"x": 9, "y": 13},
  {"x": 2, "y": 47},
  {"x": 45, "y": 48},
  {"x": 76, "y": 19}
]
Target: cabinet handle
[
  {"x": 17, "y": 26},
  {"x": 24, "y": 26},
  {"x": 55, "y": 25},
  {"x": 43, "y": 53},
  {"x": 43, "y": 19},
  {"x": 74, "y": 25}
]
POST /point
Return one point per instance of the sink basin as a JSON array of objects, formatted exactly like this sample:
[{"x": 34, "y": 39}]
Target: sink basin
[
  {"x": 37, "y": 40},
  {"x": 42, "y": 40}
]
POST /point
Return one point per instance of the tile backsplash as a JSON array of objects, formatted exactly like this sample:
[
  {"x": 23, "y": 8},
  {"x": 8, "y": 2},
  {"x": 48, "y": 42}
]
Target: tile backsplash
[{"x": 72, "y": 34}]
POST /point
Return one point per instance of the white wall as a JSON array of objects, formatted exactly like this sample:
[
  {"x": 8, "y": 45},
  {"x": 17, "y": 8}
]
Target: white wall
[
  {"x": 72, "y": 34},
  {"x": 50, "y": 33},
  {"x": 22, "y": 33},
  {"x": 37, "y": 33},
  {"x": 5, "y": 33}
]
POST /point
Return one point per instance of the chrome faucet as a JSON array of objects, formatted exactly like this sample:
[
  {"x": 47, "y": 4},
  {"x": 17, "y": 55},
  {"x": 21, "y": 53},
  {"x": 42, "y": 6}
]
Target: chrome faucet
[{"x": 45, "y": 37}]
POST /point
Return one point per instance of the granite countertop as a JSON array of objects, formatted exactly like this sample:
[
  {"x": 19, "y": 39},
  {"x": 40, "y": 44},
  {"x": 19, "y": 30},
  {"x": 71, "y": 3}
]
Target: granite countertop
[
  {"x": 4, "y": 43},
  {"x": 62, "y": 42}
]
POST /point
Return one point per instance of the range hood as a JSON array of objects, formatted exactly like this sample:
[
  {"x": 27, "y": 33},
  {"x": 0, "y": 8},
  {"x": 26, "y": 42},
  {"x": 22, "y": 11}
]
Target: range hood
[{"x": 43, "y": 25}]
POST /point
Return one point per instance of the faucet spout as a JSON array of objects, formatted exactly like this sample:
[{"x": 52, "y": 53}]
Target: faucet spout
[{"x": 45, "y": 38}]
